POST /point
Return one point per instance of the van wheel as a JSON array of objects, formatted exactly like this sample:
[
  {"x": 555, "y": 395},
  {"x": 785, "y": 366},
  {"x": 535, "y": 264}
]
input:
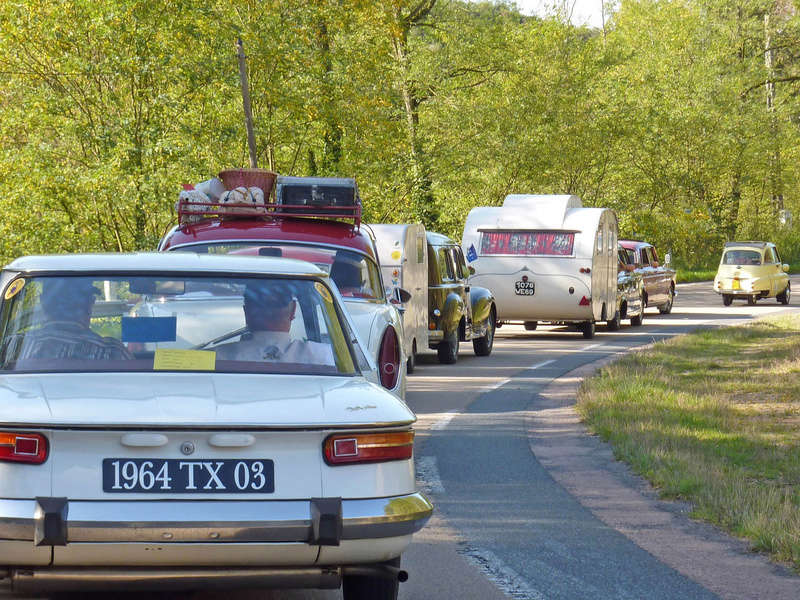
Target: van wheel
[
  {"x": 785, "y": 295},
  {"x": 751, "y": 300},
  {"x": 637, "y": 320},
  {"x": 412, "y": 359},
  {"x": 667, "y": 308},
  {"x": 531, "y": 325},
  {"x": 727, "y": 299},
  {"x": 359, "y": 587},
  {"x": 615, "y": 323},
  {"x": 588, "y": 329},
  {"x": 447, "y": 350},
  {"x": 483, "y": 345}
]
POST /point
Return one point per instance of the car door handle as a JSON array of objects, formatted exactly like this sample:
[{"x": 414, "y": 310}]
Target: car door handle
[
  {"x": 231, "y": 440},
  {"x": 144, "y": 440}
]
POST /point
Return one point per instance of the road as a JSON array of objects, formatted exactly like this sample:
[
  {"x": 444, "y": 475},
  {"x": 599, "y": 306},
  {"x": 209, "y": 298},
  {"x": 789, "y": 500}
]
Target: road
[{"x": 532, "y": 508}]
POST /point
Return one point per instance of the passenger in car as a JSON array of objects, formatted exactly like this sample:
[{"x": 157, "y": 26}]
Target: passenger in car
[
  {"x": 269, "y": 308},
  {"x": 67, "y": 309}
]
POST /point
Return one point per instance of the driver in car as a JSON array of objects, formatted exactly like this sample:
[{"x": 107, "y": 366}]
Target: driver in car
[{"x": 269, "y": 309}]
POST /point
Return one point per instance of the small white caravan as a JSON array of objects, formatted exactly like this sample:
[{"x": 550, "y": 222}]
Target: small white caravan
[
  {"x": 403, "y": 256},
  {"x": 546, "y": 258}
]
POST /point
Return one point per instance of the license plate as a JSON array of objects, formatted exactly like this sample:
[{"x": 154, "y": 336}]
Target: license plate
[
  {"x": 524, "y": 288},
  {"x": 735, "y": 284},
  {"x": 180, "y": 476}
]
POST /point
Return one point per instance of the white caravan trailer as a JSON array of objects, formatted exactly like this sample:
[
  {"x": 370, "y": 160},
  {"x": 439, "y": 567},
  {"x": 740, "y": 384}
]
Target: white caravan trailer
[
  {"x": 546, "y": 258},
  {"x": 403, "y": 256}
]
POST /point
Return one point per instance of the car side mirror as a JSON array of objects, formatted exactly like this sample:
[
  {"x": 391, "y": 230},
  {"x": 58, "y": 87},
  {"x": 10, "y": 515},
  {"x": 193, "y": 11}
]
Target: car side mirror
[
  {"x": 785, "y": 268},
  {"x": 404, "y": 295}
]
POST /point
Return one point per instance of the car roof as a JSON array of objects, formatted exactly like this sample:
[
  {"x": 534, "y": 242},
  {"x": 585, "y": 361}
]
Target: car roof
[
  {"x": 633, "y": 244},
  {"x": 438, "y": 239},
  {"x": 285, "y": 229},
  {"x": 184, "y": 262},
  {"x": 760, "y": 245}
]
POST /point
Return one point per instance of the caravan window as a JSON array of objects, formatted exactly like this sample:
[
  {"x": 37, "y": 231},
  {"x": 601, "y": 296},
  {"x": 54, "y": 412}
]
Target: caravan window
[{"x": 527, "y": 243}]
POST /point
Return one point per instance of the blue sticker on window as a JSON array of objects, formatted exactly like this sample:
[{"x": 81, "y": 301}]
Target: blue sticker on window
[
  {"x": 472, "y": 254},
  {"x": 149, "y": 329}
]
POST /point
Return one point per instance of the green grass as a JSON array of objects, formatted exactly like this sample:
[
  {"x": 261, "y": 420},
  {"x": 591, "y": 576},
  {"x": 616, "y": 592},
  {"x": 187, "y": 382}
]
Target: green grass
[
  {"x": 713, "y": 418},
  {"x": 686, "y": 276}
]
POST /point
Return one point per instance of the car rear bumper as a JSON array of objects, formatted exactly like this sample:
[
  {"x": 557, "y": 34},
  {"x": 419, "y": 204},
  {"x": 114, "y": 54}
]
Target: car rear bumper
[{"x": 322, "y": 521}]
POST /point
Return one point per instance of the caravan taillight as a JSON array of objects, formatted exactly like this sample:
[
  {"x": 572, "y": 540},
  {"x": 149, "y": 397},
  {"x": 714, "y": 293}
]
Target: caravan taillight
[
  {"x": 584, "y": 301},
  {"x": 585, "y": 270}
]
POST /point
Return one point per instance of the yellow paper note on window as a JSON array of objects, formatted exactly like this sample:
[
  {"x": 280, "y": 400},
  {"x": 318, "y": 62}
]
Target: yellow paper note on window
[{"x": 184, "y": 360}]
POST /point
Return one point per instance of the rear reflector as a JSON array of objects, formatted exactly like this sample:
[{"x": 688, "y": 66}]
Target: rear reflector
[
  {"x": 23, "y": 447},
  {"x": 584, "y": 301},
  {"x": 352, "y": 448}
]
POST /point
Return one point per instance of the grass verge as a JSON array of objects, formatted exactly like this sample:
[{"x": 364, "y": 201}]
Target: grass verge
[{"x": 713, "y": 417}]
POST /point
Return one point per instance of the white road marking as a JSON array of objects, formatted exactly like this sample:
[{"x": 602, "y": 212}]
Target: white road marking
[
  {"x": 494, "y": 386},
  {"x": 428, "y": 475},
  {"x": 542, "y": 364},
  {"x": 585, "y": 348},
  {"x": 504, "y": 577},
  {"x": 444, "y": 421}
]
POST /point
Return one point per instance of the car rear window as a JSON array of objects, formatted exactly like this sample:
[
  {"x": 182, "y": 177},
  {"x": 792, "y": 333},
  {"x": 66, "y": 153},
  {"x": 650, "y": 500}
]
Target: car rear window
[
  {"x": 741, "y": 257},
  {"x": 163, "y": 322}
]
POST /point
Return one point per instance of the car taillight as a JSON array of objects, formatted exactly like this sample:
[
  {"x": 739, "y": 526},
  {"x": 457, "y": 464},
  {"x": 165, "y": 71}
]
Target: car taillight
[
  {"x": 347, "y": 449},
  {"x": 23, "y": 447},
  {"x": 389, "y": 359}
]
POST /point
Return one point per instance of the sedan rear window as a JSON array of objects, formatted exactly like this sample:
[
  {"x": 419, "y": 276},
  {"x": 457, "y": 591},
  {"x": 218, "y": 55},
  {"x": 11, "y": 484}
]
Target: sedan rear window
[{"x": 167, "y": 323}]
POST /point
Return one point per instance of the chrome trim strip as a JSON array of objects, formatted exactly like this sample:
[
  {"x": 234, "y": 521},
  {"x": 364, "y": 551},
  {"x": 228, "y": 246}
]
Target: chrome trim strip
[
  {"x": 48, "y": 579},
  {"x": 169, "y": 521}
]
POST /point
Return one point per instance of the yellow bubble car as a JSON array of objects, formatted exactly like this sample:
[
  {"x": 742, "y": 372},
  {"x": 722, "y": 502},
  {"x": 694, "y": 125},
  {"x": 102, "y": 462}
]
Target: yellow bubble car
[{"x": 751, "y": 271}]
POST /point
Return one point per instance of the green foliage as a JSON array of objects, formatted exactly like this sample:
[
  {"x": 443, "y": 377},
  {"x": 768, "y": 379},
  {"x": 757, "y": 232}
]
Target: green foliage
[{"x": 435, "y": 106}]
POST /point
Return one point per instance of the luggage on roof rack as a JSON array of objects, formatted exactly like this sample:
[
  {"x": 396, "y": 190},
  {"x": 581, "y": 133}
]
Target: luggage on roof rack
[{"x": 316, "y": 197}]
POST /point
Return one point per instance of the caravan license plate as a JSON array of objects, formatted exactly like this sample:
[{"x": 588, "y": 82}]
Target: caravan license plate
[
  {"x": 179, "y": 476},
  {"x": 524, "y": 288}
]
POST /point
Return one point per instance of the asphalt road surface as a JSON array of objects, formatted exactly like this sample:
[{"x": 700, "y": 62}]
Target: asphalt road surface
[{"x": 530, "y": 507}]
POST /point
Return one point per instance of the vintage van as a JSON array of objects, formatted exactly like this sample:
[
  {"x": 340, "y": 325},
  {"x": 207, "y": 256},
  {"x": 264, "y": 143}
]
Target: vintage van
[{"x": 546, "y": 258}]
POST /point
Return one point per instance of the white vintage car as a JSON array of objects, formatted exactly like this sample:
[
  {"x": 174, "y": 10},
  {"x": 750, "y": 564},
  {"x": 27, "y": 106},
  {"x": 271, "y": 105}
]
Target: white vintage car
[{"x": 159, "y": 429}]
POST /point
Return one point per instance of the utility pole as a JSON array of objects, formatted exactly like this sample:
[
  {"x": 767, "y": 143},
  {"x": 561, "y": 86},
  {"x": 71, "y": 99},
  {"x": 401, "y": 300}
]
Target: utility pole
[{"x": 248, "y": 113}]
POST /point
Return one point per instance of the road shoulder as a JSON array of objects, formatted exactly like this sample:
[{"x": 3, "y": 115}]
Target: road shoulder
[{"x": 584, "y": 465}]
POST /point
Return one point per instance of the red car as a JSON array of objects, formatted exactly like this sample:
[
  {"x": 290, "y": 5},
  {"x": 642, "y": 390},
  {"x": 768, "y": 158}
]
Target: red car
[
  {"x": 340, "y": 248},
  {"x": 658, "y": 277}
]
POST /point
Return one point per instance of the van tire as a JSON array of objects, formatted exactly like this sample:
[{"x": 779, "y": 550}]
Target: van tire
[
  {"x": 637, "y": 320},
  {"x": 447, "y": 350},
  {"x": 483, "y": 345},
  {"x": 615, "y": 323},
  {"x": 727, "y": 299},
  {"x": 588, "y": 329},
  {"x": 531, "y": 325},
  {"x": 785, "y": 295},
  {"x": 411, "y": 365},
  {"x": 751, "y": 300}
]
